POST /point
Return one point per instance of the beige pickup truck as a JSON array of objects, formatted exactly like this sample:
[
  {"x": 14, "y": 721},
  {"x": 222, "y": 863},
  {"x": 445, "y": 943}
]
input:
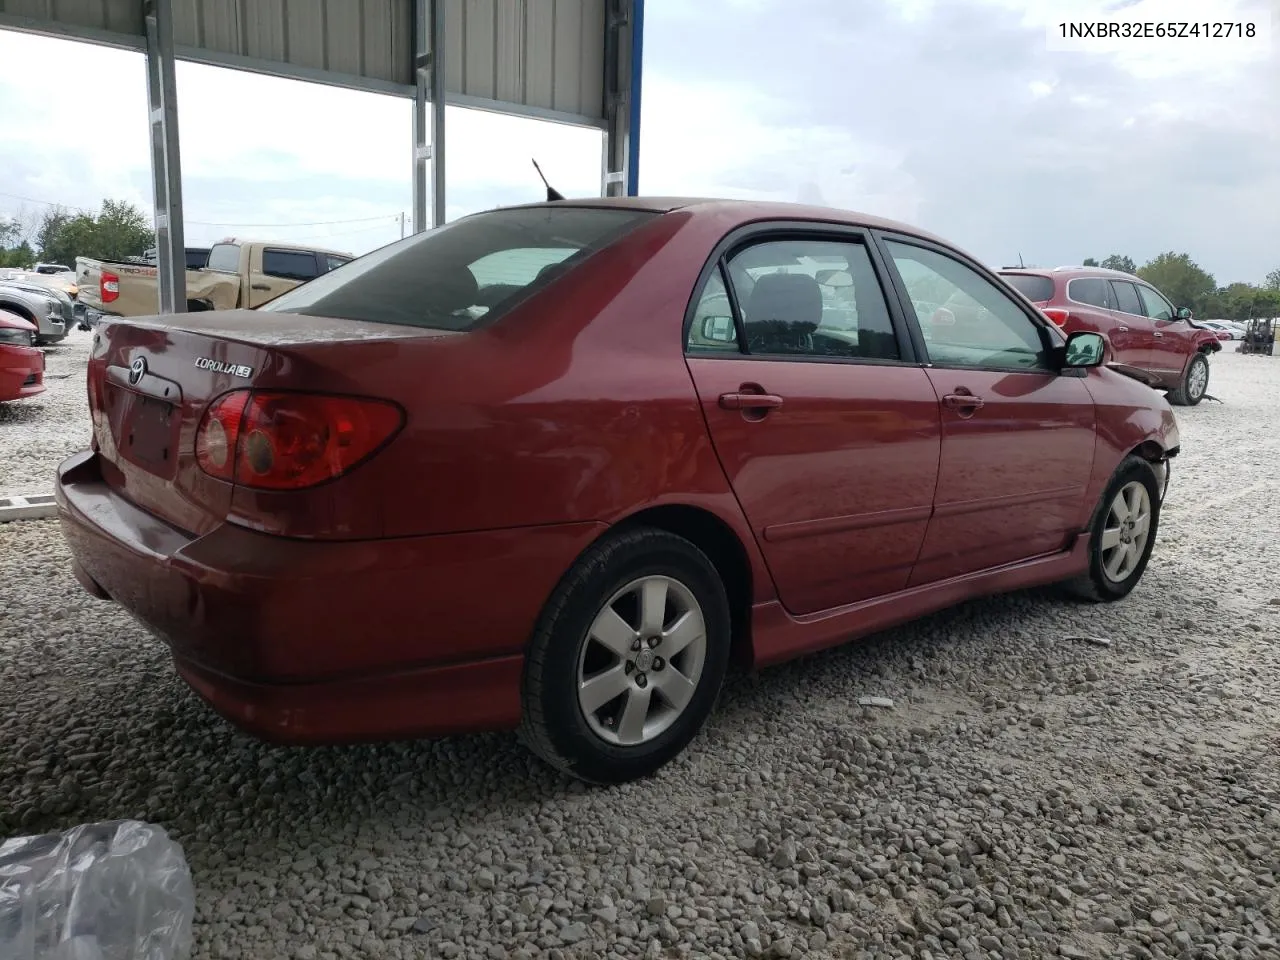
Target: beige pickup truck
[{"x": 238, "y": 274}]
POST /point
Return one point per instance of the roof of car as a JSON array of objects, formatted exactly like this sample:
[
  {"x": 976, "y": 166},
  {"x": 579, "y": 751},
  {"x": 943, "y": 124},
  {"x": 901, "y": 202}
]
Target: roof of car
[
  {"x": 1074, "y": 271},
  {"x": 748, "y": 210}
]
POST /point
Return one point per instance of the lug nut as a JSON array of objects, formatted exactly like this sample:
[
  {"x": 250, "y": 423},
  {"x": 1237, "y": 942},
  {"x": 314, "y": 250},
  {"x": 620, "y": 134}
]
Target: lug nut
[
  {"x": 635, "y": 644},
  {"x": 658, "y": 663},
  {"x": 642, "y": 681},
  {"x": 654, "y": 641},
  {"x": 628, "y": 667}
]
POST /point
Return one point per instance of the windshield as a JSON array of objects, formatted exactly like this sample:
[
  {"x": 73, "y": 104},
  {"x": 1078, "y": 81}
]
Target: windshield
[{"x": 463, "y": 273}]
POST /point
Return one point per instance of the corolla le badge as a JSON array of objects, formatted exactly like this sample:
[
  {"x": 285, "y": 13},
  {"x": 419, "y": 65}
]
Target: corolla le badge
[
  {"x": 219, "y": 366},
  {"x": 137, "y": 370}
]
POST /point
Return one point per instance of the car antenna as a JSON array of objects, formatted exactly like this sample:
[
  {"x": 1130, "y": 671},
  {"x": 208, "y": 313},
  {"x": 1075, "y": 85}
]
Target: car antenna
[
  {"x": 1020, "y": 261},
  {"x": 552, "y": 192}
]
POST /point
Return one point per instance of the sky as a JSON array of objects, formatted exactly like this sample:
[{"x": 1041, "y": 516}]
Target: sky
[{"x": 952, "y": 115}]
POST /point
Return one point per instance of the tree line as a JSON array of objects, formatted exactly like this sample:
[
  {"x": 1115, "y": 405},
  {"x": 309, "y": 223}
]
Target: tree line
[
  {"x": 118, "y": 231},
  {"x": 1184, "y": 282}
]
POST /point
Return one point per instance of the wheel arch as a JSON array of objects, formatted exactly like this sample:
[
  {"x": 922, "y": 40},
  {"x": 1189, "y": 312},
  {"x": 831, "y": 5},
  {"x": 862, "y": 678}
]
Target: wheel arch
[
  {"x": 13, "y": 306},
  {"x": 723, "y": 547}
]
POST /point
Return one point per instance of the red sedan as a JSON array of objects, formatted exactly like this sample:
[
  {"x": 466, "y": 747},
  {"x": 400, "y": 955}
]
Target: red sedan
[
  {"x": 552, "y": 466},
  {"x": 21, "y": 364}
]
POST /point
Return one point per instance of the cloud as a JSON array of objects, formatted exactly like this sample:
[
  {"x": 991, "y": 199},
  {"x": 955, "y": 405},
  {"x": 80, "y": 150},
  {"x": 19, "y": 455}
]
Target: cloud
[{"x": 952, "y": 115}]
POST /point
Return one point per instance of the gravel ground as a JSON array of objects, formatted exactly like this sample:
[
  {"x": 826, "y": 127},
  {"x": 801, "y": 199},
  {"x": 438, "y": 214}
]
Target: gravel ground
[{"x": 1028, "y": 796}]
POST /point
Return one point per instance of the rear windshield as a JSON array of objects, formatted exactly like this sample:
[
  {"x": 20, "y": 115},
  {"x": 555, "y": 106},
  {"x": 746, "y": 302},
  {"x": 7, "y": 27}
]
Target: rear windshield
[
  {"x": 1035, "y": 288},
  {"x": 463, "y": 273}
]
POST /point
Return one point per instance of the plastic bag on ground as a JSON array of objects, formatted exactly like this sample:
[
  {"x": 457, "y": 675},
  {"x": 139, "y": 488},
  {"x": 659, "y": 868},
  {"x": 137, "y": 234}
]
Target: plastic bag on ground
[{"x": 102, "y": 891}]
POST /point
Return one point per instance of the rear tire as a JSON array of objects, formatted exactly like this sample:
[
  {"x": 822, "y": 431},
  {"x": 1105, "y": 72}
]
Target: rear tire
[
  {"x": 627, "y": 659},
  {"x": 1194, "y": 385},
  {"x": 1122, "y": 534}
]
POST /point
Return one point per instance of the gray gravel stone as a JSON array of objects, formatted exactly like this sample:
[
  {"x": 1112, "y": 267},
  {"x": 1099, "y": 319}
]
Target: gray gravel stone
[{"x": 1138, "y": 821}]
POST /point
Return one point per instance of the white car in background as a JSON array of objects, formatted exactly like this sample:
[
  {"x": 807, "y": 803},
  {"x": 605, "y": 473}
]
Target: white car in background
[{"x": 1224, "y": 326}]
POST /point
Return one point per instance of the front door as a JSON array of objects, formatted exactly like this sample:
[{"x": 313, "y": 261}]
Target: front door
[
  {"x": 1017, "y": 438},
  {"x": 828, "y": 436},
  {"x": 1171, "y": 337}
]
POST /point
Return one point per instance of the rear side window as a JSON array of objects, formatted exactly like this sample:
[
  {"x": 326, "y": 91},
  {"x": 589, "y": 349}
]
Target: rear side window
[
  {"x": 812, "y": 297},
  {"x": 290, "y": 264},
  {"x": 224, "y": 257},
  {"x": 333, "y": 261},
  {"x": 1127, "y": 298},
  {"x": 1035, "y": 288},
  {"x": 464, "y": 273},
  {"x": 196, "y": 259},
  {"x": 1095, "y": 291}
]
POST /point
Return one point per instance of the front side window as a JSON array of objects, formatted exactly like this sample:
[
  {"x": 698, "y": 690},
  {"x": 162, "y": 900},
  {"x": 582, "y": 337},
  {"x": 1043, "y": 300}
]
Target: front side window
[
  {"x": 1155, "y": 306},
  {"x": 290, "y": 264},
  {"x": 1127, "y": 297},
  {"x": 224, "y": 257},
  {"x": 818, "y": 298},
  {"x": 976, "y": 324},
  {"x": 471, "y": 270}
]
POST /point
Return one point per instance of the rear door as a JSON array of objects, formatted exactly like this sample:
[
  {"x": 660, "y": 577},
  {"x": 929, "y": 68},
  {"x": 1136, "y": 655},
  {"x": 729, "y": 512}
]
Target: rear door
[
  {"x": 1131, "y": 337},
  {"x": 826, "y": 428},
  {"x": 1017, "y": 438},
  {"x": 274, "y": 270}
]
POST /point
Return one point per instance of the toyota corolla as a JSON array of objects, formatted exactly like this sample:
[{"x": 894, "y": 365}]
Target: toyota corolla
[{"x": 551, "y": 467}]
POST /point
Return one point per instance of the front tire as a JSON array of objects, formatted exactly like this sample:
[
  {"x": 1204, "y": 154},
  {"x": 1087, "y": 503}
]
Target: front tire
[
  {"x": 1194, "y": 385},
  {"x": 1122, "y": 534},
  {"x": 627, "y": 659}
]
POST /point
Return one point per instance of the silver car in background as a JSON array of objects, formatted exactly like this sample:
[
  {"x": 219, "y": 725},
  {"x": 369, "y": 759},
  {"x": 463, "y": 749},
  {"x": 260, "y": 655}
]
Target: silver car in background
[{"x": 52, "y": 311}]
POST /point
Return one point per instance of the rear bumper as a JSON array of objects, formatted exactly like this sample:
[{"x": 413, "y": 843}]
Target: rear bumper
[
  {"x": 325, "y": 642},
  {"x": 21, "y": 372}
]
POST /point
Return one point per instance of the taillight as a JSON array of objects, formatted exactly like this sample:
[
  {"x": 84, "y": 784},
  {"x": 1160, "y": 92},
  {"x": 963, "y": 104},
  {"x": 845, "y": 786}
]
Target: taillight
[
  {"x": 219, "y": 430},
  {"x": 288, "y": 441},
  {"x": 108, "y": 287},
  {"x": 1056, "y": 314}
]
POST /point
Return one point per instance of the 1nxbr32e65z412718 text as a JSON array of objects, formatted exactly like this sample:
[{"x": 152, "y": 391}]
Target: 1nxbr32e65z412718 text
[{"x": 1181, "y": 24}]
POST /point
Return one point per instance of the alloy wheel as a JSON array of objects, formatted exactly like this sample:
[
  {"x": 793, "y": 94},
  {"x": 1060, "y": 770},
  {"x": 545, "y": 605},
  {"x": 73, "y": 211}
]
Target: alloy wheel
[
  {"x": 1125, "y": 533},
  {"x": 642, "y": 660}
]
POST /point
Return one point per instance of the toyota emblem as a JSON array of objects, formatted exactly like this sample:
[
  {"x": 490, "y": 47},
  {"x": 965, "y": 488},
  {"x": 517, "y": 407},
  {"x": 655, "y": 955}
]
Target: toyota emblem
[{"x": 137, "y": 370}]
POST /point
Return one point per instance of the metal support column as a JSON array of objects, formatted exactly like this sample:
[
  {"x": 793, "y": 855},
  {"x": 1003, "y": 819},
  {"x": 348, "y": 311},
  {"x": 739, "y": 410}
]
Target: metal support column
[
  {"x": 166, "y": 168},
  {"x": 620, "y": 167},
  {"x": 428, "y": 95}
]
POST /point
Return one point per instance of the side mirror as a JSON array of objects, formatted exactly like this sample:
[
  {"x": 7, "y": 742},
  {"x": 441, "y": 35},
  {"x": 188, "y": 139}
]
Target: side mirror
[
  {"x": 1084, "y": 349},
  {"x": 719, "y": 330},
  {"x": 1184, "y": 313}
]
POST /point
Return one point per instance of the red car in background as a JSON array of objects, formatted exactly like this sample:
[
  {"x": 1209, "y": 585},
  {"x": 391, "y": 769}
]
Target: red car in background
[
  {"x": 550, "y": 466},
  {"x": 1145, "y": 330},
  {"x": 21, "y": 364}
]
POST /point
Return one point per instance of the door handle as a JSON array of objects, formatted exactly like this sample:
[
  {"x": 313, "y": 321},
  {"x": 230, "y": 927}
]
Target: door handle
[
  {"x": 750, "y": 401},
  {"x": 963, "y": 401},
  {"x": 1157, "y": 334},
  {"x": 1123, "y": 329},
  {"x": 259, "y": 286}
]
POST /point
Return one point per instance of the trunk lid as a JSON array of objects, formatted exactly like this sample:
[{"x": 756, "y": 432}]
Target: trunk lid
[{"x": 151, "y": 380}]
